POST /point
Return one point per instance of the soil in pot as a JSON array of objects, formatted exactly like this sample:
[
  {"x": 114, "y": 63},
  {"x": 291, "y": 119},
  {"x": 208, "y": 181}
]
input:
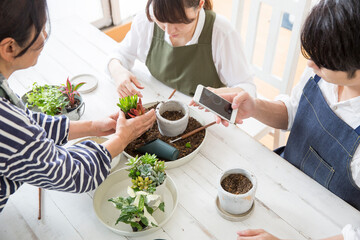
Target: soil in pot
[
  {"x": 76, "y": 104},
  {"x": 153, "y": 133},
  {"x": 172, "y": 115},
  {"x": 236, "y": 184}
]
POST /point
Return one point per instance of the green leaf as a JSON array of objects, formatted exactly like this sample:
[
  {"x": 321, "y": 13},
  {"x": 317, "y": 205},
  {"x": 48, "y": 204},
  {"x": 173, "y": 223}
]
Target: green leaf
[
  {"x": 162, "y": 206},
  {"x": 188, "y": 145}
]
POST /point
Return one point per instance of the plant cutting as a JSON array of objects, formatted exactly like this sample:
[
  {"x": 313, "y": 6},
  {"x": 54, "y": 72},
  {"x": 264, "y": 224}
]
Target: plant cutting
[
  {"x": 131, "y": 106},
  {"x": 147, "y": 173},
  {"x": 55, "y": 100}
]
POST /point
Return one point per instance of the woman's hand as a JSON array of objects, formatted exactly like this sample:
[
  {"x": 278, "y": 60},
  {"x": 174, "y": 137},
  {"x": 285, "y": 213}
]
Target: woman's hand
[
  {"x": 255, "y": 234},
  {"x": 127, "y": 130},
  {"x": 124, "y": 79},
  {"x": 105, "y": 126},
  {"x": 240, "y": 100}
]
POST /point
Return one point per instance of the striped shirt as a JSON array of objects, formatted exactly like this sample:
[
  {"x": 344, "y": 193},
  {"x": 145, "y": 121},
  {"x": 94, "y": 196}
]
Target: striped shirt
[{"x": 31, "y": 152}]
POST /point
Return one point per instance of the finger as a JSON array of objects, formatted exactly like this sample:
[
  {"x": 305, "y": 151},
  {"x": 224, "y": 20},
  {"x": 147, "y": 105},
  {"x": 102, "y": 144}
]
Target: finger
[
  {"x": 192, "y": 103},
  {"x": 238, "y": 99},
  {"x": 225, "y": 123},
  {"x": 136, "y": 82},
  {"x": 250, "y": 232}
]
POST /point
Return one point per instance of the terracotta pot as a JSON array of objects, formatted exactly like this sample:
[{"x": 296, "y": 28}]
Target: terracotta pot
[
  {"x": 172, "y": 128},
  {"x": 237, "y": 203}
]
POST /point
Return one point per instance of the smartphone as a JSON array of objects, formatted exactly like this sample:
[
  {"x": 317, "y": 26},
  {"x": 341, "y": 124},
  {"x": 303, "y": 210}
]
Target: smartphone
[{"x": 214, "y": 103}]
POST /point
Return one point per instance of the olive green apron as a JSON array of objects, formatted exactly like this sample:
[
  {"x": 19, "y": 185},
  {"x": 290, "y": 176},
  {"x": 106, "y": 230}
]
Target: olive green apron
[
  {"x": 183, "y": 68},
  {"x": 6, "y": 92}
]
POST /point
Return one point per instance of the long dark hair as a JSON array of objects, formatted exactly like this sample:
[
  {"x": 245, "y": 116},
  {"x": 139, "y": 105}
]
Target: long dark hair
[
  {"x": 331, "y": 35},
  {"x": 173, "y": 11},
  {"x": 17, "y": 17}
]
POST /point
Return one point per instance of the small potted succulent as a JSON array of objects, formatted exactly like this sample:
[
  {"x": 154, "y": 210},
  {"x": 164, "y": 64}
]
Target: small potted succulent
[
  {"x": 236, "y": 191},
  {"x": 56, "y": 100},
  {"x": 147, "y": 175},
  {"x": 172, "y": 127},
  {"x": 131, "y": 106}
]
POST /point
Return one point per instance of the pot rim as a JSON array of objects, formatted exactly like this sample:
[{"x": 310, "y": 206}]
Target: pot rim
[
  {"x": 183, "y": 105},
  {"x": 242, "y": 171}
]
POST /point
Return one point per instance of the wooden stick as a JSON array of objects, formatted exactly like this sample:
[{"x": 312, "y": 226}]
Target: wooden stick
[
  {"x": 172, "y": 94},
  {"x": 39, "y": 216},
  {"x": 193, "y": 132}
]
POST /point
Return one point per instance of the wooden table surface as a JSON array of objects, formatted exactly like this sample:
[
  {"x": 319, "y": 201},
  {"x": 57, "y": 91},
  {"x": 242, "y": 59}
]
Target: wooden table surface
[{"x": 288, "y": 204}]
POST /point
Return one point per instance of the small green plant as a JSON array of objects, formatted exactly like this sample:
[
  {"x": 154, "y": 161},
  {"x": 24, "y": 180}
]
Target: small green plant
[
  {"x": 137, "y": 209},
  {"x": 70, "y": 90},
  {"x": 146, "y": 173},
  {"x": 188, "y": 145},
  {"x": 49, "y": 99},
  {"x": 131, "y": 106}
]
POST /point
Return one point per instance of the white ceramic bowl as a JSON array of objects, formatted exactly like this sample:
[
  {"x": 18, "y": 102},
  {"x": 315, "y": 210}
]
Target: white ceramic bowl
[
  {"x": 187, "y": 158},
  {"x": 116, "y": 185}
]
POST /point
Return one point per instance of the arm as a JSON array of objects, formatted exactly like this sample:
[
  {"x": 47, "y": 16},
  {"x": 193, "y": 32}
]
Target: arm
[
  {"x": 272, "y": 113},
  {"x": 260, "y": 234},
  {"x": 135, "y": 46},
  {"x": 124, "y": 79}
]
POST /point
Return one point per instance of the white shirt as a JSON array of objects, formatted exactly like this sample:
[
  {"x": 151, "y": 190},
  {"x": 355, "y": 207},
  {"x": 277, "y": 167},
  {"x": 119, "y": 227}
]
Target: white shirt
[
  {"x": 348, "y": 111},
  {"x": 227, "y": 50}
]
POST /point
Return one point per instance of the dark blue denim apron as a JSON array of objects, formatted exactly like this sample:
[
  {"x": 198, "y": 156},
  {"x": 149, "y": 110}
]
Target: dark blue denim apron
[{"x": 322, "y": 145}]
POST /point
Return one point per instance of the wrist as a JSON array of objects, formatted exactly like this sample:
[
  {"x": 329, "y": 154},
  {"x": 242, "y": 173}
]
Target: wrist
[{"x": 115, "y": 145}]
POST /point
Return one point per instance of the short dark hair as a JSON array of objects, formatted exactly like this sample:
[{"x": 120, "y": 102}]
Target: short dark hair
[
  {"x": 17, "y": 17},
  {"x": 331, "y": 35},
  {"x": 173, "y": 11}
]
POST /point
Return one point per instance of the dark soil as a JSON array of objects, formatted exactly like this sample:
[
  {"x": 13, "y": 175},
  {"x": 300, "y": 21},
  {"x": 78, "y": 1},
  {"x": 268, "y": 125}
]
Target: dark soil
[
  {"x": 173, "y": 115},
  {"x": 153, "y": 133},
  {"x": 76, "y": 104},
  {"x": 236, "y": 184}
]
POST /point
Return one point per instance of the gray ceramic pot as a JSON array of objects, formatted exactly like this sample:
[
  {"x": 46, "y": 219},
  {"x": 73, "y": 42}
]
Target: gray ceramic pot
[{"x": 172, "y": 128}]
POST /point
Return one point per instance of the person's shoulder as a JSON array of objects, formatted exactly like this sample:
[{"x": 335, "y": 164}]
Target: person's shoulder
[
  {"x": 141, "y": 20},
  {"x": 222, "y": 25}
]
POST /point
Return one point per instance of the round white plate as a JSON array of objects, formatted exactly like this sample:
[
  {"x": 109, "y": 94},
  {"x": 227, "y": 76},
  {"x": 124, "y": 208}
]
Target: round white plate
[
  {"x": 90, "y": 82},
  {"x": 187, "y": 158},
  {"x": 116, "y": 185},
  {"x": 115, "y": 161}
]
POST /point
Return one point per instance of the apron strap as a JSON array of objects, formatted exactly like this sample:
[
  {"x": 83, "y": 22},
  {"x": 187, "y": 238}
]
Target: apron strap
[{"x": 317, "y": 78}]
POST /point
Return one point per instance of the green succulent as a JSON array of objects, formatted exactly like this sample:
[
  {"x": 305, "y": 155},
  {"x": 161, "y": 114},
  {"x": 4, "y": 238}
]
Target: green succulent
[{"x": 146, "y": 172}]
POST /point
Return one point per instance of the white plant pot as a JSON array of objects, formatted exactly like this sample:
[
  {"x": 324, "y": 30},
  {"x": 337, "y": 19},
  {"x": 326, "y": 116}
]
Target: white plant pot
[
  {"x": 172, "y": 128},
  {"x": 237, "y": 203}
]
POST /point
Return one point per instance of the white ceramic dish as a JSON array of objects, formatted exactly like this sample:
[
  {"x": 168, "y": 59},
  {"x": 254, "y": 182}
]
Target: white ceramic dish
[
  {"x": 90, "y": 80},
  {"x": 183, "y": 160},
  {"x": 116, "y": 185},
  {"x": 100, "y": 140}
]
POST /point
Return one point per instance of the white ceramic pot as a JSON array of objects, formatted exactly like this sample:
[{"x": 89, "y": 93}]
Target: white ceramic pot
[
  {"x": 237, "y": 203},
  {"x": 172, "y": 128}
]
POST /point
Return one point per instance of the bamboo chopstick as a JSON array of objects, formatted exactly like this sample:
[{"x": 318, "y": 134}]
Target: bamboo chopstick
[
  {"x": 192, "y": 132},
  {"x": 172, "y": 94}
]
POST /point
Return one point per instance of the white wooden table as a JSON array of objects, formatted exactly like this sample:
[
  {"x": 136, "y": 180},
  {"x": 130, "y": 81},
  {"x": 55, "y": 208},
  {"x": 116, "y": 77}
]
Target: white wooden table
[{"x": 288, "y": 203}]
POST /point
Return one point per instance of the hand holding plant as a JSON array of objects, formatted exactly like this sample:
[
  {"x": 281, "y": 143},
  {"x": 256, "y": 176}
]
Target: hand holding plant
[{"x": 131, "y": 106}]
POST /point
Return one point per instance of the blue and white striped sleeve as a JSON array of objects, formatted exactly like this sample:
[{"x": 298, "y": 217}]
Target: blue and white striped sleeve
[
  {"x": 57, "y": 128},
  {"x": 28, "y": 155}
]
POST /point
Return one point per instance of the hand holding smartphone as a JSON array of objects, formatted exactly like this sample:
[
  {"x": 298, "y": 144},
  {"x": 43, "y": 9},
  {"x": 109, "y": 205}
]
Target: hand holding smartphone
[{"x": 215, "y": 104}]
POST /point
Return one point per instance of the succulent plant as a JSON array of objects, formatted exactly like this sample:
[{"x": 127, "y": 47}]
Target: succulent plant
[
  {"x": 131, "y": 106},
  {"x": 147, "y": 172}
]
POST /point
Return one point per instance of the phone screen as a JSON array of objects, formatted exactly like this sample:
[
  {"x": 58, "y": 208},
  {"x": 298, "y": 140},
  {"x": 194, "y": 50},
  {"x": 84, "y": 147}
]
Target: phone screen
[{"x": 216, "y": 103}]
